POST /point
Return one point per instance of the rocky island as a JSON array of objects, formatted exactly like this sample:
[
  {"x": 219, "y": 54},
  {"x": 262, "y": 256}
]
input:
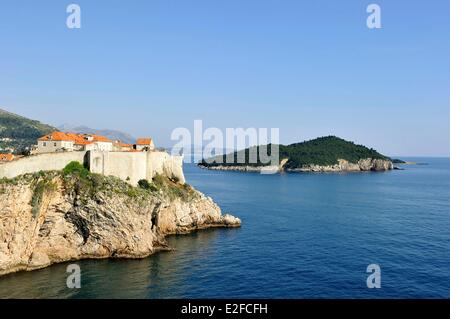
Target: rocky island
[
  {"x": 57, "y": 216},
  {"x": 324, "y": 154}
]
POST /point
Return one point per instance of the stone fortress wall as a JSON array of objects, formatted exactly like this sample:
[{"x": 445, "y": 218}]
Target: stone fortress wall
[
  {"x": 128, "y": 166},
  {"x": 134, "y": 166},
  {"x": 42, "y": 162}
]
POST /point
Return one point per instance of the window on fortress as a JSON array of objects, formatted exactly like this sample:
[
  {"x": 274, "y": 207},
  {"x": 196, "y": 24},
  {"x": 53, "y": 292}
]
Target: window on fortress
[
  {"x": 45, "y": 144},
  {"x": 54, "y": 144}
]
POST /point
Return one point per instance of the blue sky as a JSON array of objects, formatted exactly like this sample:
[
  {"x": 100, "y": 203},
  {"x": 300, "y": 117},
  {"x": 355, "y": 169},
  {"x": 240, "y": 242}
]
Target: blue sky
[{"x": 311, "y": 68}]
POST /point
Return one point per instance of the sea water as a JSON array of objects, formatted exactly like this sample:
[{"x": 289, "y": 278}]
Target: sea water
[{"x": 304, "y": 235}]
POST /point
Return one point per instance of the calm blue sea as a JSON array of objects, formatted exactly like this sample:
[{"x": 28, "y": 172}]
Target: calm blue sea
[{"x": 303, "y": 236}]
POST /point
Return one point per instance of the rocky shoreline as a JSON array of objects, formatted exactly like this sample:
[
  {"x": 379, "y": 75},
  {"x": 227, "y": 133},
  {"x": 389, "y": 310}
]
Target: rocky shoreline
[
  {"x": 363, "y": 165},
  {"x": 50, "y": 218}
]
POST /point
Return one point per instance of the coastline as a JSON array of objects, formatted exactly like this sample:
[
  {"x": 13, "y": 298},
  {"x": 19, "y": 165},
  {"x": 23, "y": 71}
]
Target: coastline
[
  {"x": 363, "y": 165},
  {"x": 69, "y": 220}
]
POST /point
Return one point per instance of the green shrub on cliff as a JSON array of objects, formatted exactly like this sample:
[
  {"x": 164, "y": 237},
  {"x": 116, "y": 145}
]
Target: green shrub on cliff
[
  {"x": 84, "y": 187},
  {"x": 158, "y": 181},
  {"x": 8, "y": 181},
  {"x": 173, "y": 189},
  {"x": 90, "y": 186},
  {"x": 145, "y": 184},
  {"x": 76, "y": 168},
  {"x": 42, "y": 186}
]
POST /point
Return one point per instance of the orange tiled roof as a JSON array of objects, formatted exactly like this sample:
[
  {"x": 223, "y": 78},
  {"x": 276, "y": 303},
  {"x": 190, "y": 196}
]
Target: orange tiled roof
[
  {"x": 123, "y": 144},
  {"x": 80, "y": 139},
  {"x": 82, "y": 142},
  {"x": 144, "y": 141},
  {"x": 6, "y": 157},
  {"x": 98, "y": 138},
  {"x": 57, "y": 136}
]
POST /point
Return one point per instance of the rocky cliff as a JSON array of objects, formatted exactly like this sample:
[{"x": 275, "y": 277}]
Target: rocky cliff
[
  {"x": 53, "y": 217},
  {"x": 362, "y": 165}
]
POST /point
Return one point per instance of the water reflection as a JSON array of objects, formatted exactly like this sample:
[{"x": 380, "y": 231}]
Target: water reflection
[
  {"x": 161, "y": 275},
  {"x": 303, "y": 236}
]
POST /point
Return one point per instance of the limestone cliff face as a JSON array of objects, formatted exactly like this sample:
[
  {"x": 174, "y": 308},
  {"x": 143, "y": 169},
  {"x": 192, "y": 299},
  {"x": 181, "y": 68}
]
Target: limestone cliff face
[
  {"x": 55, "y": 218},
  {"x": 363, "y": 165},
  {"x": 367, "y": 164}
]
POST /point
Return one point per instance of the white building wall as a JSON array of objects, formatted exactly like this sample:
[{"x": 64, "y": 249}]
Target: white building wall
[
  {"x": 53, "y": 146},
  {"x": 164, "y": 164},
  {"x": 151, "y": 147},
  {"x": 89, "y": 147},
  {"x": 128, "y": 166},
  {"x": 134, "y": 166},
  {"x": 103, "y": 146}
]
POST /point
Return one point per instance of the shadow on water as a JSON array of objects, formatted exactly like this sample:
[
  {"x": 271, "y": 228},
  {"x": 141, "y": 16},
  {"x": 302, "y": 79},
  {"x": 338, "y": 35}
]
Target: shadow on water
[
  {"x": 303, "y": 236},
  {"x": 151, "y": 277}
]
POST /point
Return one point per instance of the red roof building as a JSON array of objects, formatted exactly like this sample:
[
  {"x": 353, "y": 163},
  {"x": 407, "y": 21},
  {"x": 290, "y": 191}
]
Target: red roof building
[
  {"x": 6, "y": 157},
  {"x": 61, "y": 141},
  {"x": 144, "y": 144}
]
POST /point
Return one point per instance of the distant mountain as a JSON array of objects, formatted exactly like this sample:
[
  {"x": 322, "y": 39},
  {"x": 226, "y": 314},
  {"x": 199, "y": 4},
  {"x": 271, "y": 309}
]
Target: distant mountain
[
  {"x": 18, "y": 133},
  {"x": 192, "y": 153},
  {"x": 188, "y": 150},
  {"x": 111, "y": 134},
  {"x": 321, "y": 151}
]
